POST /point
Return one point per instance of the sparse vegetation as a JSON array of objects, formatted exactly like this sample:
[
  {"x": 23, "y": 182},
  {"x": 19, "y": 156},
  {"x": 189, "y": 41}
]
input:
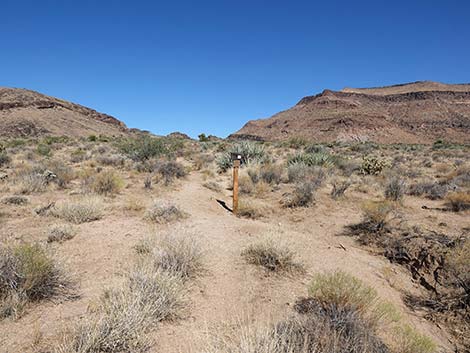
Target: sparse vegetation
[
  {"x": 79, "y": 211},
  {"x": 107, "y": 183},
  {"x": 28, "y": 274},
  {"x": 60, "y": 233},
  {"x": 170, "y": 170},
  {"x": 18, "y": 200},
  {"x": 458, "y": 201},
  {"x": 395, "y": 188},
  {"x": 251, "y": 152},
  {"x": 164, "y": 212},
  {"x": 177, "y": 253},
  {"x": 272, "y": 254},
  {"x": 339, "y": 187}
]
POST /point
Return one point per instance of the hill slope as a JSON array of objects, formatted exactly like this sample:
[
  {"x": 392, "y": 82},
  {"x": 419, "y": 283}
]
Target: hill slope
[
  {"x": 417, "y": 112},
  {"x": 26, "y": 113}
]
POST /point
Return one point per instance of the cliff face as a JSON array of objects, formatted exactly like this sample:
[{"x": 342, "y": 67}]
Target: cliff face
[
  {"x": 27, "y": 113},
  {"x": 419, "y": 112}
]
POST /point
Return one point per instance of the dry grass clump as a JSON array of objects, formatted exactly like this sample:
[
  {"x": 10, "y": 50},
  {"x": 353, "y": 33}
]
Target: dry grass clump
[
  {"x": 107, "y": 183},
  {"x": 395, "y": 188},
  {"x": 18, "y": 200},
  {"x": 339, "y": 188},
  {"x": 273, "y": 255},
  {"x": 125, "y": 314},
  {"x": 28, "y": 274},
  {"x": 212, "y": 185},
  {"x": 429, "y": 189},
  {"x": 178, "y": 253},
  {"x": 376, "y": 215},
  {"x": 343, "y": 290},
  {"x": 63, "y": 173},
  {"x": 251, "y": 210},
  {"x": 60, "y": 233},
  {"x": 79, "y": 211},
  {"x": 32, "y": 183},
  {"x": 170, "y": 170},
  {"x": 302, "y": 196},
  {"x": 408, "y": 340},
  {"x": 164, "y": 212},
  {"x": 458, "y": 201}
]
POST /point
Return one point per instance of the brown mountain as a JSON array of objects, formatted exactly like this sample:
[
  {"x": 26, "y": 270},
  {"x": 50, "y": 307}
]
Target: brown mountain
[
  {"x": 418, "y": 112},
  {"x": 25, "y": 113}
]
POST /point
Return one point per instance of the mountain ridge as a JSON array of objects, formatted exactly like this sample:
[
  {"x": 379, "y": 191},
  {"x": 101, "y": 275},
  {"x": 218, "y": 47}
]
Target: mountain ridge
[
  {"x": 417, "y": 112},
  {"x": 26, "y": 113}
]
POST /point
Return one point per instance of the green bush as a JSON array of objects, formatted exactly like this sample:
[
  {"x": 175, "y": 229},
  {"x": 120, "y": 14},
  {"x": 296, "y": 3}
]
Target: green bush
[
  {"x": 107, "y": 183},
  {"x": 44, "y": 150},
  {"x": 143, "y": 148}
]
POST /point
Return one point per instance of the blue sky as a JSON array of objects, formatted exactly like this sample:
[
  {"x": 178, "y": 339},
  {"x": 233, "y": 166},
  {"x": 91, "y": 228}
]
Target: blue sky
[{"x": 210, "y": 66}]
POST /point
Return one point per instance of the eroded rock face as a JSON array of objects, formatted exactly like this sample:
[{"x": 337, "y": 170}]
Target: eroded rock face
[
  {"x": 26, "y": 113},
  {"x": 420, "y": 112}
]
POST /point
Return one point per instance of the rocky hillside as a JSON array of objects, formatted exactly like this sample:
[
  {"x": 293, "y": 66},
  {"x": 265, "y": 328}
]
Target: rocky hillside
[
  {"x": 25, "y": 113},
  {"x": 419, "y": 112}
]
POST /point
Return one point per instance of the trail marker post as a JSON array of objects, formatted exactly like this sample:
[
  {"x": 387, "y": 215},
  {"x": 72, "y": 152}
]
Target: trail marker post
[{"x": 236, "y": 158}]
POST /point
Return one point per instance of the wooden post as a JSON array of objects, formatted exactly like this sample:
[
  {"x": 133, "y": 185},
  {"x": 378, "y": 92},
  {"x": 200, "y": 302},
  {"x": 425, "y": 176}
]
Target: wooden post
[{"x": 236, "y": 166}]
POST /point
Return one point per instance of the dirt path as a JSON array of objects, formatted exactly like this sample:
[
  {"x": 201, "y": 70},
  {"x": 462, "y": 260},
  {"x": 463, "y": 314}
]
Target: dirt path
[{"x": 232, "y": 290}]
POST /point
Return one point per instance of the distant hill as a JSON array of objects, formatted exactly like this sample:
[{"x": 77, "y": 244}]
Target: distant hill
[
  {"x": 418, "y": 112},
  {"x": 25, "y": 113}
]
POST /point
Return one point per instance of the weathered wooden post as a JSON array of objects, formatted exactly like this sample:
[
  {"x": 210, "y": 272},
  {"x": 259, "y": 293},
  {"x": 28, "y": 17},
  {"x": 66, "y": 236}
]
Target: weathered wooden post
[{"x": 236, "y": 158}]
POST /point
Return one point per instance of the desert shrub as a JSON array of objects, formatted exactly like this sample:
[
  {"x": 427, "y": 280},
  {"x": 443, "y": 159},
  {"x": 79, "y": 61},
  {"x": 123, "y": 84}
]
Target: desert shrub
[
  {"x": 170, "y": 170},
  {"x": 79, "y": 155},
  {"x": 114, "y": 160},
  {"x": 32, "y": 182},
  {"x": 408, "y": 340},
  {"x": 177, "y": 253},
  {"x": 245, "y": 184},
  {"x": 163, "y": 212},
  {"x": 296, "y": 142},
  {"x": 458, "y": 201},
  {"x": 376, "y": 215},
  {"x": 124, "y": 314},
  {"x": 247, "y": 209},
  {"x": 271, "y": 254},
  {"x": 28, "y": 274},
  {"x": 44, "y": 150},
  {"x": 302, "y": 196},
  {"x": 143, "y": 148},
  {"x": 339, "y": 187},
  {"x": 201, "y": 161},
  {"x": 212, "y": 185},
  {"x": 343, "y": 290},
  {"x": 64, "y": 174},
  {"x": 321, "y": 159},
  {"x": 251, "y": 152},
  {"x": 79, "y": 211},
  {"x": 395, "y": 188},
  {"x": 4, "y": 159},
  {"x": 271, "y": 173},
  {"x": 431, "y": 190},
  {"x": 60, "y": 233},
  {"x": 107, "y": 183},
  {"x": 299, "y": 172},
  {"x": 15, "y": 200},
  {"x": 373, "y": 165}
]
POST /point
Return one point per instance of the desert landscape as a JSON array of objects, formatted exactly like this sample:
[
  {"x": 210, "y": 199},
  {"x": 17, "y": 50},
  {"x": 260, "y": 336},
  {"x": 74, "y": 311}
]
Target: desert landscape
[{"x": 354, "y": 238}]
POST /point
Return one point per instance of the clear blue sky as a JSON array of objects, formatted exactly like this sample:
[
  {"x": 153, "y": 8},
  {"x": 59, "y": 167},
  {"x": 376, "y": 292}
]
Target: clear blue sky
[{"x": 210, "y": 66}]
